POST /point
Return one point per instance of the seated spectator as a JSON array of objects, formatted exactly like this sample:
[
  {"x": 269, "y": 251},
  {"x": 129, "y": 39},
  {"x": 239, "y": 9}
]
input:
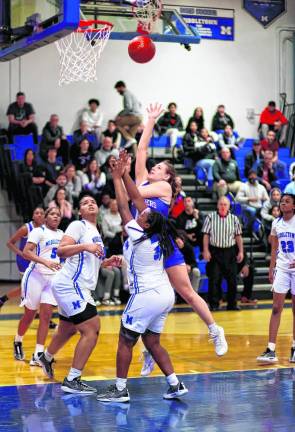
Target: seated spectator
[
  {"x": 94, "y": 180},
  {"x": 252, "y": 195},
  {"x": 61, "y": 201},
  {"x": 83, "y": 157},
  {"x": 270, "y": 143},
  {"x": 52, "y": 166},
  {"x": 290, "y": 188},
  {"x": 230, "y": 139},
  {"x": 32, "y": 179},
  {"x": 191, "y": 221},
  {"x": 53, "y": 136},
  {"x": 253, "y": 159},
  {"x": 74, "y": 184},
  {"x": 198, "y": 117},
  {"x": 112, "y": 230},
  {"x": 221, "y": 119},
  {"x": 206, "y": 151},
  {"x": 292, "y": 171},
  {"x": 93, "y": 117},
  {"x": 177, "y": 206},
  {"x": 128, "y": 120},
  {"x": 107, "y": 149},
  {"x": 190, "y": 260},
  {"x": 266, "y": 211},
  {"x": 105, "y": 206},
  {"x": 61, "y": 182},
  {"x": 79, "y": 135},
  {"x": 266, "y": 171},
  {"x": 108, "y": 287},
  {"x": 170, "y": 124},
  {"x": 226, "y": 174},
  {"x": 268, "y": 117},
  {"x": 21, "y": 118},
  {"x": 112, "y": 132},
  {"x": 189, "y": 141}
]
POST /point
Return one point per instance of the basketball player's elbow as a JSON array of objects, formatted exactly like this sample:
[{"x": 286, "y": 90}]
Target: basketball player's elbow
[{"x": 61, "y": 252}]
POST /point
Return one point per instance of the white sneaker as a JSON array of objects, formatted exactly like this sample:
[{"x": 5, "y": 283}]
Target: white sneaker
[
  {"x": 148, "y": 363},
  {"x": 219, "y": 341},
  {"x": 34, "y": 361}
]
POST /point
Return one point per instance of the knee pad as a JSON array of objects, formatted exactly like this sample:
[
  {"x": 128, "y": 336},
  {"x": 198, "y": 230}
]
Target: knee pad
[{"x": 128, "y": 334}]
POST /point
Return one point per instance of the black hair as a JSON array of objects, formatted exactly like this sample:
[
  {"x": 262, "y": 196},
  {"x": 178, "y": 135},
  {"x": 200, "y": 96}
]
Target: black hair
[
  {"x": 120, "y": 84},
  {"x": 83, "y": 194},
  {"x": 288, "y": 194},
  {"x": 271, "y": 103},
  {"x": 188, "y": 128},
  {"x": 56, "y": 193},
  {"x": 221, "y": 106},
  {"x": 172, "y": 104},
  {"x": 251, "y": 171},
  {"x": 20, "y": 93},
  {"x": 91, "y": 101},
  {"x": 164, "y": 229},
  {"x": 26, "y": 153},
  {"x": 272, "y": 207},
  {"x": 49, "y": 209}
]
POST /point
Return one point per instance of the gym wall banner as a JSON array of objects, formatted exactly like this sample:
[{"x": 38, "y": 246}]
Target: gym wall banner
[
  {"x": 265, "y": 11},
  {"x": 211, "y": 23}
]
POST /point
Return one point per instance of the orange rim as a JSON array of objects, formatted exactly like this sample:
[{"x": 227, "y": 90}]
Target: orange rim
[{"x": 85, "y": 25}]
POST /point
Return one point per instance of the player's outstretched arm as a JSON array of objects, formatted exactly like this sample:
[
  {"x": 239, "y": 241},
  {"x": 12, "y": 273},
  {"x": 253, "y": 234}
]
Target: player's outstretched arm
[
  {"x": 117, "y": 170},
  {"x": 153, "y": 110}
]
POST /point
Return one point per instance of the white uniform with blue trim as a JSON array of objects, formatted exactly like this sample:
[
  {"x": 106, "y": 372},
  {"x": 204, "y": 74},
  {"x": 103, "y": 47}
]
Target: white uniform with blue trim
[
  {"x": 73, "y": 284},
  {"x": 152, "y": 295},
  {"x": 36, "y": 282},
  {"x": 284, "y": 277}
]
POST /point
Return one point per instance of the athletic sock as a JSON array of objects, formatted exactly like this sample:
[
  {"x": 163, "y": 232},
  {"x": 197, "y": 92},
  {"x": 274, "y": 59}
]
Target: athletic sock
[
  {"x": 213, "y": 328},
  {"x": 48, "y": 356},
  {"x": 3, "y": 299},
  {"x": 39, "y": 349},
  {"x": 18, "y": 338},
  {"x": 271, "y": 346},
  {"x": 74, "y": 373},
  {"x": 172, "y": 379},
  {"x": 121, "y": 383},
  {"x": 293, "y": 344}
]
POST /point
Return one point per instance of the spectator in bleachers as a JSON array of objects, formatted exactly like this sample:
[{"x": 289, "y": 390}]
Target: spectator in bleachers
[
  {"x": 32, "y": 178},
  {"x": 108, "y": 287},
  {"x": 52, "y": 166},
  {"x": 270, "y": 143},
  {"x": 170, "y": 124},
  {"x": 61, "y": 201},
  {"x": 268, "y": 117},
  {"x": 189, "y": 259},
  {"x": 53, "y": 136},
  {"x": 252, "y": 195},
  {"x": 189, "y": 141},
  {"x": 83, "y": 157},
  {"x": 273, "y": 201},
  {"x": 229, "y": 139},
  {"x": 79, "y": 135},
  {"x": 253, "y": 159},
  {"x": 21, "y": 118},
  {"x": 130, "y": 117},
  {"x": 112, "y": 230},
  {"x": 177, "y": 207},
  {"x": 93, "y": 117},
  {"x": 206, "y": 151},
  {"x": 198, "y": 117},
  {"x": 61, "y": 182},
  {"x": 292, "y": 171},
  {"x": 221, "y": 119},
  {"x": 112, "y": 131},
  {"x": 74, "y": 183},
  {"x": 290, "y": 187},
  {"x": 226, "y": 174},
  {"x": 191, "y": 221},
  {"x": 107, "y": 149},
  {"x": 266, "y": 171},
  {"x": 105, "y": 205},
  {"x": 94, "y": 180}
]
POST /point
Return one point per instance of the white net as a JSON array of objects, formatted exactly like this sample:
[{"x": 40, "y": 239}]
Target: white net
[
  {"x": 147, "y": 12},
  {"x": 80, "y": 51}
]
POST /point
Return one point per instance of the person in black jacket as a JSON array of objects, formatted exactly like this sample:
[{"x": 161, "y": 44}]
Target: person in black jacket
[
  {"x": 221, "y": 119},
  {"x": 170, "y": 124},
  {"x": 191, "y": 222},
  {"x": 53, "y": 136},
  {"x": 189, "y": 141},
  {"x": 198, "y": 117},
  {"x": 253, "y": 159}
]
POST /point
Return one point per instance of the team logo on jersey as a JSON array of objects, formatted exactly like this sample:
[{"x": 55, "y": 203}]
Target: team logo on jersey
[
  {"x": 76, "y": 304},
  {"x": 129, "y": 319}
]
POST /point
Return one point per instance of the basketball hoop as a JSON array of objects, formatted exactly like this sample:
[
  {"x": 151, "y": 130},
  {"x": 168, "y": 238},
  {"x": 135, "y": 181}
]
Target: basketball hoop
[
  {"x": 80, "y": 51},
  {"x": 146, "y": 12}
]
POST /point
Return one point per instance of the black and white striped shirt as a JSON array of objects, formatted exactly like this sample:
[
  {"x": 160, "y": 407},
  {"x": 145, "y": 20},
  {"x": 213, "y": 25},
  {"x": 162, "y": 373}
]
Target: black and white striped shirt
[{"x": 222, "y": 230}]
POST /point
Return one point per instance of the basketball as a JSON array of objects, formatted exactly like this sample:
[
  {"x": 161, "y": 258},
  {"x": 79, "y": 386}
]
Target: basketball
[{"x": 141, "y": 49}]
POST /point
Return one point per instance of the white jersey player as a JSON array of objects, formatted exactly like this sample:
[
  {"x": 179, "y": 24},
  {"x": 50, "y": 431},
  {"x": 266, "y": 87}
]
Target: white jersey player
[
  {"x": 41, "y": 249},
  {"x": 281, "y": 273},
  {"x": 83, "y": 250}
]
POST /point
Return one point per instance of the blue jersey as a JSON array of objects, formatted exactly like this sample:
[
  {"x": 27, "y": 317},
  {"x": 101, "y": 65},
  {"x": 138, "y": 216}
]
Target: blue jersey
[
  {"x": 156, "y": 204},
  {"x": 22, "y": 263}
]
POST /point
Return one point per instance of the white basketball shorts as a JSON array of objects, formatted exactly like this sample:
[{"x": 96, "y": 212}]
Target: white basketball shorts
[
  {"x": 36, "y": 289},
  {"x": 283, "y": 281}
]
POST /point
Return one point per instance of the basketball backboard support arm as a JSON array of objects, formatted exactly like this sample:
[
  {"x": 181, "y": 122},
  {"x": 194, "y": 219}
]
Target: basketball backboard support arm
[{"x": 62, "y": 24}]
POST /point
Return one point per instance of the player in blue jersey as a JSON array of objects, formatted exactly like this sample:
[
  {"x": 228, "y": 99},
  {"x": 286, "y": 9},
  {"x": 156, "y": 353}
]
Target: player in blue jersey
[
  {"x": 281, "y": 274},
  {"x": 21, "y": 236},
  {"x": 148, "y": 244},
  {"x": 158, "y": 186},
  {"x": 41, "y": 251}
]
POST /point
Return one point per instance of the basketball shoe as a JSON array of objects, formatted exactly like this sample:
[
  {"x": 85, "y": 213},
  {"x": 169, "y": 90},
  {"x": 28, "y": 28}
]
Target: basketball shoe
[
  {"x": 46, "y": 365},
  {"x": 77, "y": 386},
  {"x": 219, "y": 341},
  {"x": 112, "y": 394},
  {"x": 292, "y": 356},
  {"x": 175, "y": 391},
  {"x": 18, "y": 351},
  {"x": 267, "y": 356}
]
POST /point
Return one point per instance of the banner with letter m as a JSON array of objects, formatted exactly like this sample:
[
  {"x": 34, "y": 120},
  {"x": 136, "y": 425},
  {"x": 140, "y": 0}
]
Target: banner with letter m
[{"x": 265, "y": 11}]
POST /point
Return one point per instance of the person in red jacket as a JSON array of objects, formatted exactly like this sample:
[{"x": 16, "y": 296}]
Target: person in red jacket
[{"x": 272, "y": 118}]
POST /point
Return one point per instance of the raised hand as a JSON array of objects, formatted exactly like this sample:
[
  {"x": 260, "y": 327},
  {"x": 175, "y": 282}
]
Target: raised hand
[
  {"x": 117, "y": 169},
  {"x": 154, "y": 110}
]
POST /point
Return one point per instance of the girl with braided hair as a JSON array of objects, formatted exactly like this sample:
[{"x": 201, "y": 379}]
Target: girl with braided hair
[
  {"x": 157, "y": 188},
  {"x": 148, "y": 244}
]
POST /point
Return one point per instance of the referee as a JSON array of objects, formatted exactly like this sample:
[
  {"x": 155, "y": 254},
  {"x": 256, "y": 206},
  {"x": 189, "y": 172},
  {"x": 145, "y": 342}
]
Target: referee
[{"x": 222, "y": 239}]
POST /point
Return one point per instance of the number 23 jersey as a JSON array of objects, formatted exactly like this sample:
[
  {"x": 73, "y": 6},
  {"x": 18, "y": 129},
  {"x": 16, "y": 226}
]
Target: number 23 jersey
[{"x": 285, "y": 233}]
